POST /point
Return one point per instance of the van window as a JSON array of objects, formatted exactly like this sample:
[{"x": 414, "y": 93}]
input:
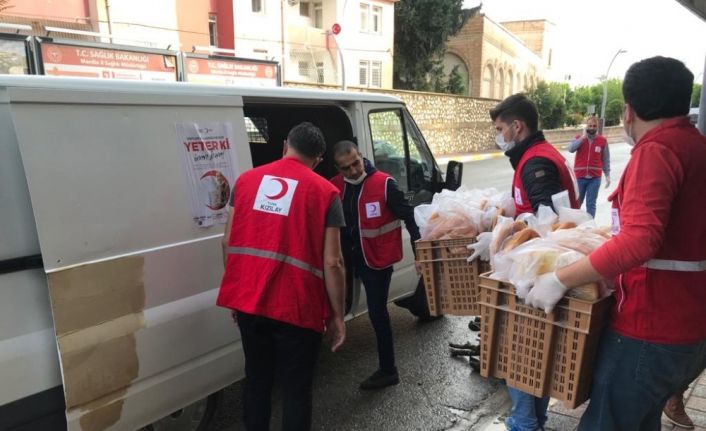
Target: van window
[
  {"x": 400, "y": 150},
  {"x": 257, "y": 130}
]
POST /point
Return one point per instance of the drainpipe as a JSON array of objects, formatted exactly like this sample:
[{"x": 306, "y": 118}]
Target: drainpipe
[
  {"x": 107, "y": 17},
  {"x": 282, "y": 61}
]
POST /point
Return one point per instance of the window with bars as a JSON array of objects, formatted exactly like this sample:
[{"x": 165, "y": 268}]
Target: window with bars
[
  {"x": 318, "y": 15},
  {"x": 256, "y": 6},
  {"x": 376, "y": 74},
  {"x": 303, "y": 67},
  {"x": 364, "y": 17},
  {"x": 304, "y": 9},
  {"x": 320, "y": 72},
  {"x": 363, "y": 72},
  {"x": 376, "y": 20},
  {"x": 256, "y": 129},
  {"x": 212, "y": 29}
]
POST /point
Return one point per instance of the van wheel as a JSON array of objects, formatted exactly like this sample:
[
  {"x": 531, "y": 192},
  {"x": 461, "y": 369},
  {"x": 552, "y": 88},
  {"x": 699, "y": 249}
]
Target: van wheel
[{"x": 194, "y": 417}]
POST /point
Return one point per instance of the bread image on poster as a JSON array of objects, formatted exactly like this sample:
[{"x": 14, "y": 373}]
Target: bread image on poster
[{"x": 215, "y": 190}]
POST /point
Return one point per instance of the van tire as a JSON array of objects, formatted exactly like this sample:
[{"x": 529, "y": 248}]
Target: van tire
[{"x": 205, "y": 408}]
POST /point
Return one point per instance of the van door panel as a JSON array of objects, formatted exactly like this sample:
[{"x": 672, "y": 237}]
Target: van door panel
[{"x": 132, "y": 280}]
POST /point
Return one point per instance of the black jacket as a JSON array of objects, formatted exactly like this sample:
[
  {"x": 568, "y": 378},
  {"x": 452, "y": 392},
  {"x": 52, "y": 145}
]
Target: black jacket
[
  {"x": 396, "y": 202},
  {"x": 539, "y": 176}
]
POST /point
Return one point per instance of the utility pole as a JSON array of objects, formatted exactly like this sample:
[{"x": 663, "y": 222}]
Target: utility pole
[{"x": 605, "y": 89}]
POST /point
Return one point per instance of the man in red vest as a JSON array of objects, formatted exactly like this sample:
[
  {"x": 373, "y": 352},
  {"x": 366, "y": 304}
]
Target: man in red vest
[
  {"x": 373, "y": 205},
  {"x": 540, "y": 172},
  {"x": 592, "y": 160},
  {"x": 284, "y": 276},
  {"x": 656, "y": 342}
]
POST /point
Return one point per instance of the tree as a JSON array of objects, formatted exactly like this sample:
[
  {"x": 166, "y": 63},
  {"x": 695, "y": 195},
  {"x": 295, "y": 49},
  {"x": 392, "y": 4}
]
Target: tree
[
  {"x": 421, "y": 30},
  {"x": 696, "y": 96},
  {"x": 455, "y": 83},
  {"x": 550, "y": 101},
  {"x": 613, "y": 112}
]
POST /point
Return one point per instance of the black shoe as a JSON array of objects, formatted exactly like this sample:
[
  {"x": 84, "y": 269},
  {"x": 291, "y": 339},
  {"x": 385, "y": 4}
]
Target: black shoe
[
  {"x": 379, "y": 380},
  {"x": 474, "y": 326}
]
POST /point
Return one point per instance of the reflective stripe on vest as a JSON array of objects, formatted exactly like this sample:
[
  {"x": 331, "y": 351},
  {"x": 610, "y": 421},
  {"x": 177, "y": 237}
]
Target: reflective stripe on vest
[
  {"x": 374, "y": 233},
  {"x": 276, "y": 256},
  {"x": 676, "y": 265}
]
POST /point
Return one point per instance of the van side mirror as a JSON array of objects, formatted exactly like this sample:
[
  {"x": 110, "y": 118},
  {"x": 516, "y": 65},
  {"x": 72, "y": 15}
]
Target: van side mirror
[{"x": 454, "y": 174}]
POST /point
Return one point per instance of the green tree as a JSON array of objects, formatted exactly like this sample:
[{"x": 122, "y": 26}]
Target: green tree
[
  {"x": 613, "y": 112},
  {"x": 696, "y": 96},
  {"x": 421, "y": 30},
  {"x": 551, "y": 104},
  {"x": 455, "y": 83}
]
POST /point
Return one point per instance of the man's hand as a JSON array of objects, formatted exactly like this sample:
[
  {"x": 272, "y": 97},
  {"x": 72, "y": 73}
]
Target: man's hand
[
  {"x": 335, "y": 332},
  {"x": 481, "y": 248},
  {"x": 418, "y": 267},
  {"x": 607, "y": 181},
  {"x": 547, "y": 291}
]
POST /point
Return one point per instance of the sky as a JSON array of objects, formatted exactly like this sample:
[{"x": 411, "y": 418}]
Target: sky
[{"x": 589, "y": 33}]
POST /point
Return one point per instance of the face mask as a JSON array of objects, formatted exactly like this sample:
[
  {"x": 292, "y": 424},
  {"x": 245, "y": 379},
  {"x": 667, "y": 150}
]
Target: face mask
[
  {"x": 502, "y": 144},
  {"x": 627, "y": 135},
  {"x": 356, "y": 181}
]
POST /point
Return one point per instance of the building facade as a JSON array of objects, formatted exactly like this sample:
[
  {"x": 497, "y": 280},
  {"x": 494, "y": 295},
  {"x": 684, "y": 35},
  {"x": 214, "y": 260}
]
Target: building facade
[
  {"x": 496, "y": 62},
  {"x": 299, "y": 35}
]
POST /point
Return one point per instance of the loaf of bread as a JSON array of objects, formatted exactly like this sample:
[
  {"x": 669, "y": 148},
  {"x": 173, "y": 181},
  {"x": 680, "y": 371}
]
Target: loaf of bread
[
  {"x": 587, "y": 292},
  {"x": 520, "y": 237}
]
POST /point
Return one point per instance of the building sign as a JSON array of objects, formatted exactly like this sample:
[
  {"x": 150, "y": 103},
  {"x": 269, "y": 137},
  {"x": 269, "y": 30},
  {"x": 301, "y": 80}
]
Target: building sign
[
  {"x": 208, "y": 159},
  {"x": 230, "y": 72},
  {"x": 90, "y": 62},
  {"x": 13, "y": 56}
]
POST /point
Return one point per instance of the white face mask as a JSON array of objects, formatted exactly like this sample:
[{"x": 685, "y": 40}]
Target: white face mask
[
  {"x": 627, "y": 136},
  {"x": 356, "y": 181},
  {"x": 502, "y": 144}
]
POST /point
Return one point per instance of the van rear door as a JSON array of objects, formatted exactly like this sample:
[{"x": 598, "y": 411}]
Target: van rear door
[{"x": 132, "y": 279}]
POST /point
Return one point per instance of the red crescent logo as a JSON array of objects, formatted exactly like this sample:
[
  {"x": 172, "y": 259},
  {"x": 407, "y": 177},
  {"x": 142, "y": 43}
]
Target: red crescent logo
[{"x": 282, "y": 192}]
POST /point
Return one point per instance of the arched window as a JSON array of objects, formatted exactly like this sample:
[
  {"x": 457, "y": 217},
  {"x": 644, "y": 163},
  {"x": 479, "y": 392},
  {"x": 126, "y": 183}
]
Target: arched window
[
  {"x": 500, "y": 84},
  {"x": 453, "y": 61},
  {"x": 518, "y": 83},
  {"x": 488, "y": 82},
  {"x": 526, "y": 83}
]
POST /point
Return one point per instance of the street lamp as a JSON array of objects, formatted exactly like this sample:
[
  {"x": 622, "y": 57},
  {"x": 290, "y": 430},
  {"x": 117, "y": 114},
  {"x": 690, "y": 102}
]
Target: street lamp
[{"x": 605, "y": 88}]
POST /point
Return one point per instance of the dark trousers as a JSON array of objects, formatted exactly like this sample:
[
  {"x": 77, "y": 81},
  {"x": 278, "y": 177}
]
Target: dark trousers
[
  {"x": 273, "y": 347},
  {"x": 377, "y": 288},
  {"x": 633, "y": 379}
]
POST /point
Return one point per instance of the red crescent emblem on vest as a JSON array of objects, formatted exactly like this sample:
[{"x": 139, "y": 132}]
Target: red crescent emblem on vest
[{"x": 282, "y": 192}]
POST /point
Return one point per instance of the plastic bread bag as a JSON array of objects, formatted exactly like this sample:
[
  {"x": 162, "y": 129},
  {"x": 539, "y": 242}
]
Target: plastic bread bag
[
  {"x": 583, "y": 239},
  {"x": 530, "y": 260},
  {"x": 422, "y": 213},
  {"x": 578, "y": 217},
  {"x": 546, "y": 218}
]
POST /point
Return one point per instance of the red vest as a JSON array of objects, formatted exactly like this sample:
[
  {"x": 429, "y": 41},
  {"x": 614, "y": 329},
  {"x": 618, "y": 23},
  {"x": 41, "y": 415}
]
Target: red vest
[
  {"x": 275, "y": 255},
  {"x": 568, "y": 182},
  {"x": 380, "y": 230},
  {"x": 664, "y": 301},
  {"x": 589, "y": 157}
]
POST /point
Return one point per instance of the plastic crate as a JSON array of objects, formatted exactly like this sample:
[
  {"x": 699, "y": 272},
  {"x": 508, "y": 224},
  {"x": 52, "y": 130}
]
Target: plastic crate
[
  {"x": 451, "y": 282},
  {"x": 538, "y": 353}
]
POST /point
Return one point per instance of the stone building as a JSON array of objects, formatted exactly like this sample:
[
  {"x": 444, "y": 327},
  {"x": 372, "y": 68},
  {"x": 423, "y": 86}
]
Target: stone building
[{"x": 499, "y": 59}]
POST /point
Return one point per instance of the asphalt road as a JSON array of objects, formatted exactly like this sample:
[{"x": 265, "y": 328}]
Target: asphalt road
[{"x": 437, "y": 392}]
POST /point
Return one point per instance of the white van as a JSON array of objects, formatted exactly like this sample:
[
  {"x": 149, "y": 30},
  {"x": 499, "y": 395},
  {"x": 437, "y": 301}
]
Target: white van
[{"x": 107, "y": 285}]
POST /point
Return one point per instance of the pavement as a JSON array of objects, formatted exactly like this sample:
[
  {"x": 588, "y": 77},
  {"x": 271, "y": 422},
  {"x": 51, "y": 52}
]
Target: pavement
[{"x": 562, "y": 419}]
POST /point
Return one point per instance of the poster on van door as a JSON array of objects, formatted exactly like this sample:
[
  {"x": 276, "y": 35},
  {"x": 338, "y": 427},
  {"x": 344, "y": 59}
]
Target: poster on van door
[
  {"x": 209, "y": 163},
  {"x": 93, "y": 62}
]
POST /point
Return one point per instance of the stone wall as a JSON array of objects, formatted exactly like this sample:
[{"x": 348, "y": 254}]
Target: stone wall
[
  {"x": 458, "y": 124},
  {"x": 450, "y": 124}
]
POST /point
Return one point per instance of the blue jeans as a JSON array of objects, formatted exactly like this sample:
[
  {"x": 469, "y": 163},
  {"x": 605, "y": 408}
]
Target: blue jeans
[
  {"x": 529, "y": 413},
  {"x": 633, "y": 380},
  {"x": 588, "y": 188},
  {"x": 377, "y": 288}
]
